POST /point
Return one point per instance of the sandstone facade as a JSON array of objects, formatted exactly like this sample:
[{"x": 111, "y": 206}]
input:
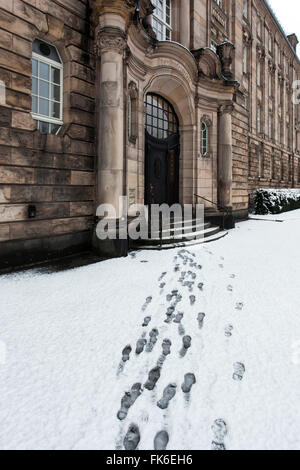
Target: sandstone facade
[{"x": 228, "y": 67}]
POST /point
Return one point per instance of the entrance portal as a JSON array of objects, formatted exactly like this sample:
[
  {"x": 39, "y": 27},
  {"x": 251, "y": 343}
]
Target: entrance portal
[{"x": 162, "y": 152}]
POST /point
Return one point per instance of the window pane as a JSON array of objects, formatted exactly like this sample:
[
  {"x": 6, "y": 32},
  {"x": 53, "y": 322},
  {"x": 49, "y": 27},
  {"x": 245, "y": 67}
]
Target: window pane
[
  {"x": 55, "y": 92},
  {"x": 55, "y": 110},
  {"x": 44, "y": 89},
  {"x": 55, "y": 75},
  {"x": 43, "y": 107},
  {"x": 44, "y": 127},
  {"x": 35, "y": 86},
  {"x": 34, "y": 104},
  {"x": 44, "y": 71},
  {"x": 34, "y": 67},
  {"x": 54, "y": 128}
]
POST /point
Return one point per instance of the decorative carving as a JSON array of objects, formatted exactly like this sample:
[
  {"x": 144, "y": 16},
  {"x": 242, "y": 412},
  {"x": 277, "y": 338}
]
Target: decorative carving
[
  {"x": 125, "y": 8},
  {"x": 207, "y": 120},
  {"x": 226, "y": 108},
  {"x": 272, "y": 66},
  {"x": 226, "y": 51},
  {"x": 133, "y": 90},
  {"x": 110, "y": 38},
  {"x": 247, "y": 38},
  {"x": 261, "y": 52},
  {"x": 208, "y": 63}
]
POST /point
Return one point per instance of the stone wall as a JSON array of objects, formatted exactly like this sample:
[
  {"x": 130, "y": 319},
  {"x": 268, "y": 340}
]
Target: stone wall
[{"x": 54, "y": 173}]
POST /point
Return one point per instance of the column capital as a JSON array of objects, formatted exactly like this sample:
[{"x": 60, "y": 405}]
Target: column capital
[
  {"x": 226, "y": 108},
  {"x": 118, "y": 7},
  {"x": 110, "y": 39}
]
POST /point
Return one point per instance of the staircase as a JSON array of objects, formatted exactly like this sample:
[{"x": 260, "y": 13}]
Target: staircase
[{"x": 180, "y": 234}]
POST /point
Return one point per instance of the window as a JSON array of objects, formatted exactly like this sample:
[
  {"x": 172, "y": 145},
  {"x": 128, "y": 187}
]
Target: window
[
  {"x": 258, "y": 119},
  {"x": 47, "y": 87},
  {"x": 245, "y": 59},
  {"x": 259, "y": 28},
  {"x": 279, "y": 131},
  {"x": 219, "y": 3},
  {"x": 279, "y": 57},
  {"x": 259, "y": 163},
  {"x": 258, "y": 73},
  {"x": 270, "y": 43},
  {"x": 213, "y": 46},
  {"x": 161, "y": 120},
  {"x": 270, "y": 125},
  {"x": 245, "y": 9},
  {"x": 279, "y": 94},
  {"x": 204, "y": 139},
  {"x": 162, "y": 19},
  {"x": 270, "y": 86}
]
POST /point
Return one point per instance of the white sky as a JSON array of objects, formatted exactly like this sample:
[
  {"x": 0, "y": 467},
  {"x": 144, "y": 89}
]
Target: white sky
[{"x": 288, "y": 13}]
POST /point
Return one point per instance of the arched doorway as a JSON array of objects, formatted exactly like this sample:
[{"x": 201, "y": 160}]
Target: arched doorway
[{"x": 162, "y": 150}]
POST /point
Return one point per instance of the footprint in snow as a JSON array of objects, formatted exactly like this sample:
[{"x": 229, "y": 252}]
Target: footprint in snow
[
  {"x": 168, "y": 393},
  {"x": 189, "y": 381},
  {"x": 162, "y": 276},
  {"x": 221, "y": 266},
  {"x": 148, "y": 301},
  {"x": 239, "y": 306},
  {"x": 239, "y": 371},
  {"x": 230, "y": 288},
  {"x": 192, "y": 299},
  {"x": 161, "y": 440},
  {"x": 146, "y": 322},
  {"x": 200, "y": 319},
  {"x": 152, "y": 340},
  {"x": 220, "y": 431},
  {"x": 186, "y": 344},
  {"x": 141, "y": 343},
  {"x": 128, "y": 400},
  {"x": 126, "y": 353},
  {"x": 153, "y": 377},
  {"x": 228, "y": 330},
  {"x": 132, "y": 438},
  {"x": 233, "y": 276}
]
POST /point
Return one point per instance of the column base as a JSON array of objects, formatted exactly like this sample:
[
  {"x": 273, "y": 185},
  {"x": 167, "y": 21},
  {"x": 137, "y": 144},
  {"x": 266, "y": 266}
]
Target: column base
[{"x": 109, "y": 248}]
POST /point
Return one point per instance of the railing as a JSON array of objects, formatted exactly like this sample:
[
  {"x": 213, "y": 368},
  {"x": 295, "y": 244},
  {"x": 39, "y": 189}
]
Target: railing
[{"x": 224, "y": 210}]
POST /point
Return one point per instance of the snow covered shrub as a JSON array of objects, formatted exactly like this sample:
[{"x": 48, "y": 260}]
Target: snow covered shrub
[{"x": 275, "y": 201}]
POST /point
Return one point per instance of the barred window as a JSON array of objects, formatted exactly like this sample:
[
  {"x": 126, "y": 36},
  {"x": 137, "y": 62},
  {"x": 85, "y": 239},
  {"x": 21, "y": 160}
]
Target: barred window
[
  {"x": 161, "y": 120},
  {"x": 47, "y": 87},
  {"x": 162, "y": 19}
]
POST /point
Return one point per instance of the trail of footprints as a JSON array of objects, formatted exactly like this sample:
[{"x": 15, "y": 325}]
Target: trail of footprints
[{"x": 187, "y": 279}]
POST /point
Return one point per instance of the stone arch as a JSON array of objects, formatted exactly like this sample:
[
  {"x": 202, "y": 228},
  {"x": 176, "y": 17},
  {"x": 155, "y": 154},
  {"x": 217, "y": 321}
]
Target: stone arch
[{"x": 180, "y": 94}]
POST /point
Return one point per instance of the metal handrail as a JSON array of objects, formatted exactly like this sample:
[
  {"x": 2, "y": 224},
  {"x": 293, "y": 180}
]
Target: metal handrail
[{"x": 220, "y": 208}]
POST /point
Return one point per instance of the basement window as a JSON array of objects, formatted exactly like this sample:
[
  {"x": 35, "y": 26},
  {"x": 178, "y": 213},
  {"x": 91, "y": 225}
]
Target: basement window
[{"x": 47, "y": 87}]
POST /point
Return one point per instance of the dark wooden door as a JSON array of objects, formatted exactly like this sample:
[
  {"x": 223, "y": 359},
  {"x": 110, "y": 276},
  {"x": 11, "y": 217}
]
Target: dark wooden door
[{"x": 162, "y": 170}]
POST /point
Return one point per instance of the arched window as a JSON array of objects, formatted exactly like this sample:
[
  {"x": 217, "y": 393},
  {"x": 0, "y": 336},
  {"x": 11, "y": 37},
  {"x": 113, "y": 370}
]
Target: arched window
[
  {"x": 204, "y": 139},
  {"x": 47, "y": 87},
  {"x": 161, "y": 119},
  {"x": 162, "y": 19}
]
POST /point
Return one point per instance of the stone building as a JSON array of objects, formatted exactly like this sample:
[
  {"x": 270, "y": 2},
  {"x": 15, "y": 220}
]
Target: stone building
[{"x": 156, "y": 101}]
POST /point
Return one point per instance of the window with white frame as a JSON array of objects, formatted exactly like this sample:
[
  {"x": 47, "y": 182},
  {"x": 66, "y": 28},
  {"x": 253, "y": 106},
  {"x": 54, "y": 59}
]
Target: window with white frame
[
  {"x": 162, "y": 19},
  {"x": 219, "y": 3},
  {"x": 47, "y": 87}
]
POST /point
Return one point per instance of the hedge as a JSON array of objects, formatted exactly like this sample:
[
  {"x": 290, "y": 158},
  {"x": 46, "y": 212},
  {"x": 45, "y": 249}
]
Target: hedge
[{"x": 275, "y": 201}]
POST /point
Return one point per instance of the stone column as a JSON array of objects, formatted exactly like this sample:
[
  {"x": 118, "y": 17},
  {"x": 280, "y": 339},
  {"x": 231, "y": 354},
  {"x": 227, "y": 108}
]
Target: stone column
[
  {"x": 111, "y": 43},
  {"x": 185, "y": 21},
  {"x": 111, "y": 18},
  {"x": 225, "y": 155}
]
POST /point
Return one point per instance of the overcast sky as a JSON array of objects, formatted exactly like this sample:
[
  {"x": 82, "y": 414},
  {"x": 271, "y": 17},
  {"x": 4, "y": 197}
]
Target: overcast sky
[{"x": 288, "y": 13}]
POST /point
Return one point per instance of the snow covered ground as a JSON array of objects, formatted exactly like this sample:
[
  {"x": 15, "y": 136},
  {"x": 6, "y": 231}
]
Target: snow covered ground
[{"x": 62, "y": 380}]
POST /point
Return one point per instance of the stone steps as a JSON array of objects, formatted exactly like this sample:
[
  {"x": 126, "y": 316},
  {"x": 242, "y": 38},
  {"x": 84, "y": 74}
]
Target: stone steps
[{"x": 181, "y": 234}]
